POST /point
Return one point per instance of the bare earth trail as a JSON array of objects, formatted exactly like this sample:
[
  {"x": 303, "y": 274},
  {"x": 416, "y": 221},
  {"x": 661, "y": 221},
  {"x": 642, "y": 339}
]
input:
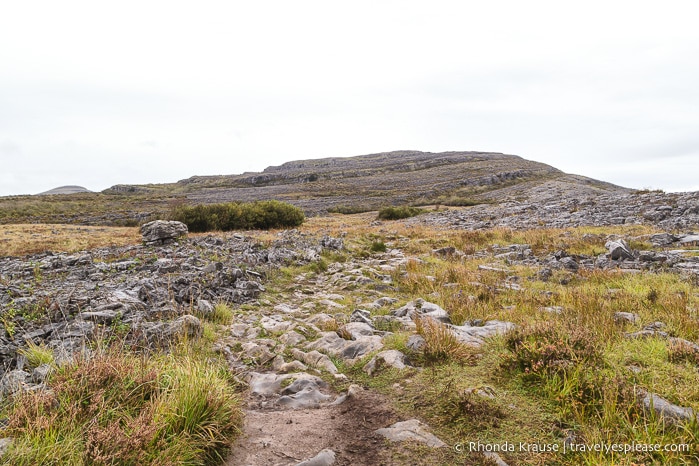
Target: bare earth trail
[
  {"x": 287, "y": 437},
  {"x": 285, "y": 426}
]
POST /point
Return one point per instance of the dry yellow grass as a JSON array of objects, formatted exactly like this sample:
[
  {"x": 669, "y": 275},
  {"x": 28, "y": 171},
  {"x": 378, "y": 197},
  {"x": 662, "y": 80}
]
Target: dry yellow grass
[{"x": 18, "y": 240}]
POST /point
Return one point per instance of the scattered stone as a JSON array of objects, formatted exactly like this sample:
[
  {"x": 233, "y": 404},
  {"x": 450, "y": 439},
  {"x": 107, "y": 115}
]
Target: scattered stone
[
  {"x": 40, "y": 373},
  {"x": 324, "y": 458},
  {"x": 416, "y": 342},
  {"x": 389, "y": 358},
  {"x": 328, "y": 242},
  {"x": 668, "y": 412},
  {"x": 334, "y": 345},
  {"x": 476, "y": 335},
  {"x": 422, "y": 308},
  {"x": 412, "y": 430},
  {"x": 618, "y": 250},
  {"x": 623, "y": 317},
  {"x": 356, "y": 330},
  {"x": 13, "y": 382},
  {"x": 361, "y": 315},
  {"x": 315, "y": 359}
]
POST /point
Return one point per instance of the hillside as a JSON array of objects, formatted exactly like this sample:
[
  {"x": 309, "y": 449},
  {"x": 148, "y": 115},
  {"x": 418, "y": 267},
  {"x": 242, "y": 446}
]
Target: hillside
[{"x": 350, "y": 184}]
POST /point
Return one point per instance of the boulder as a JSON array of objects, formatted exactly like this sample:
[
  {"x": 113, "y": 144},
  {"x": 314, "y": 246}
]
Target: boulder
[
  {"x": 162, "y": 231},
  {"x": 389, "y": 358},
  {"x": 618, "y": 250},
  {"x": 476, "y": 335},
  {"x": 668, "y": 412},
  {"x": 422, "y": 308}
]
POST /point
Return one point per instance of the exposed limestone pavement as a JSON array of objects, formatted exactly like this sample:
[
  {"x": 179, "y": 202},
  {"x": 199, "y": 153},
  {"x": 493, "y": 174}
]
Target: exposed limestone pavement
[{"x": 303, "y": 321}]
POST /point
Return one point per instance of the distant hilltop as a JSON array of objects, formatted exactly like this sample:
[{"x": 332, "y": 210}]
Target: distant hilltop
[{"x": 65, "y": 190}]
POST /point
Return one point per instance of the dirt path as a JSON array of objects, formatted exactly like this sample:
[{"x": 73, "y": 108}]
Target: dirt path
[{"x": 287, "y": 437}]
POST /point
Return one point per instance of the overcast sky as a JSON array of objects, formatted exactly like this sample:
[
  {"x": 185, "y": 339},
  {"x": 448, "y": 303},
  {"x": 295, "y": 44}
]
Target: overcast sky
[{"x": 97, "y": 93}]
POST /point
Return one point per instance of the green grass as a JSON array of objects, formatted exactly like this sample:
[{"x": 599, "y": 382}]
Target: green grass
[
  {"x": 37, "y": 355},
  {"x": 116, "y": 407}
]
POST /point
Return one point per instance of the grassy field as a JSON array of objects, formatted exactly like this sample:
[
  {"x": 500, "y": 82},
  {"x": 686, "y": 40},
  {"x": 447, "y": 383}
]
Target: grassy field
[
  {"x": 23, "y": 239},
  {"x": 567, "y": 374}
]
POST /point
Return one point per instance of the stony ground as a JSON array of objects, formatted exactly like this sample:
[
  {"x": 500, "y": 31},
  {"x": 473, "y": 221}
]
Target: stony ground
[{"x": 334, "y": 322}]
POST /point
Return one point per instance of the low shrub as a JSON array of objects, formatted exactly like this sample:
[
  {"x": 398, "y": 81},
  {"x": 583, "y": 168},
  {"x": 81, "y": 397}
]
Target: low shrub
[
  {"x": 378, "y": 246},
  {"x": 548, "y": 348},
  {"x": 260, "y": 215},
  {"x": 680, "y": 352},
  {"x": 397, "y": 213}
]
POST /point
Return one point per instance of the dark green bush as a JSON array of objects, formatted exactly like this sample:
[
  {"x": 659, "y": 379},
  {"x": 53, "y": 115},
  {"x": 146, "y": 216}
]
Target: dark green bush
[
  {"x": 396, "y": 213},
  {"x": 260, "y": 215}
]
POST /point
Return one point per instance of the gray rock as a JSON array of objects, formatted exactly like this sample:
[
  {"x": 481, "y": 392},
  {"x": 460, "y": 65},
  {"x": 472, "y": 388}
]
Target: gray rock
[
  {"x": 39, "y": 374},
  {"x": 422, "y": 308},
  {"x": 205, "y": 307},
  {"x": 186, "y": 326},
  {"x": 324, "y": 458},
  {"x": 569, "y": 263},
  {"x": 266, "y": 384},
  {"x": 412, "y": 430},
  {"x": 361, "y": 315},
  {"x": 332, "y": 344},
  {"x": 315, "y": 359},
  {"x": 276, "y": 324},
  {"x": 304, "y": 393},
  {"x": 668, "y": 412},
  {"x": 618, "y": 250},
  {"x": 416, "y": 342},
  {"x": 101, "y": 317},
  {"x": 663, "y": 239},
  {"x": 389, "y": 358},
  {"x": 292, "y": 338},
  {"x": 629, "y": 317},
  {"x": 328, "y": 242},
  {"x": 356, "y": 330},
  {"x": 476, "y": 335},
  {"x": 162, "y": 232},
  {"x": 76, "y": 328},
  {"x": 239, "y": 330},
  {"x": 13, "y": 382}
]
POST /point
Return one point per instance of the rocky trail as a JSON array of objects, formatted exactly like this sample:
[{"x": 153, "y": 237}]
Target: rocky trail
[
  {"x": 294, "y": 416},
  {"x": 307, "y": 313}
]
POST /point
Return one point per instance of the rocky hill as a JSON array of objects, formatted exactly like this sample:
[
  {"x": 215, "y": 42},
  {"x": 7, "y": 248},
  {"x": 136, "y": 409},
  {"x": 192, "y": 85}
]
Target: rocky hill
[
  {"x": 351, "y": 184},
  {"x": 368, "y": 182}
]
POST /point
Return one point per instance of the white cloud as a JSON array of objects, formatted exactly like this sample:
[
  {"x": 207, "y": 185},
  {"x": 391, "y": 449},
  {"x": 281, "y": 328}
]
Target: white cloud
[{"x": 134, "y": 92}]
